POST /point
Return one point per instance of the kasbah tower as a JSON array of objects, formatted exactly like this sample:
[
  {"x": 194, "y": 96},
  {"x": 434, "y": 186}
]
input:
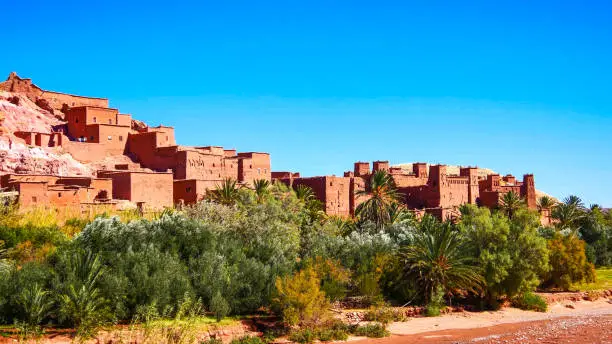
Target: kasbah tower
[{"x": 150, "y": 170}]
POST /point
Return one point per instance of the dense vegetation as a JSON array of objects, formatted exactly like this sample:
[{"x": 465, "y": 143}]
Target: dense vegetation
[{"x": 271, "y": 248}]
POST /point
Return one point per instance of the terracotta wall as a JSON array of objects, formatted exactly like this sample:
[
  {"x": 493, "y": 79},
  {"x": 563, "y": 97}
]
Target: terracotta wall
[
  {"x": 191, "y": 190},
  {"x": 154, "y": 189}
]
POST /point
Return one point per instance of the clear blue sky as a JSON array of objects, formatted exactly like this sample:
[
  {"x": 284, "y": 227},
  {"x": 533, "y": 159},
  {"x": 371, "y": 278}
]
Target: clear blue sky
[{"x": 516, "y": 86}]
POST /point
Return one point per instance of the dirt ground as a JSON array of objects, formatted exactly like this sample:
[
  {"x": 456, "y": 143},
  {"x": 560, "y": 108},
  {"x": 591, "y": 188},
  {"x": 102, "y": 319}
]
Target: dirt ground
[{"x": 565, "y": 322}]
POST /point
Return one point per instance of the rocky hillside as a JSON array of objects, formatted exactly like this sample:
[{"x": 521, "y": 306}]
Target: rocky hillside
[{"x": 20, "y": 113}]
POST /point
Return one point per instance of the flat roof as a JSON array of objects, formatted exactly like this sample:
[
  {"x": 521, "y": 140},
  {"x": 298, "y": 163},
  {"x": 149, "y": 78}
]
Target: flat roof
[
  {"x": 126, "y": 172},
  {"x": 94, "y": 107}
]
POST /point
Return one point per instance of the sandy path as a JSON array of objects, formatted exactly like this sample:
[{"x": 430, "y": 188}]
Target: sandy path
[
  {"x": 587, "y": 322},
  {"x": 467, "y": 320}
]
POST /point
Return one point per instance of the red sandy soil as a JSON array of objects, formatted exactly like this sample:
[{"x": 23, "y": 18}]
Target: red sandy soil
[
  {"x": 579, "y": 329},
  {"x": 565, "y": 322}
]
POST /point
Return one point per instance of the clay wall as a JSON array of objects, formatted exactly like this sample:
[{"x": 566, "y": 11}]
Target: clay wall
[
  {"x": 124, "y": 120},
  {"x": 332, "y": 191},
  {"x": 230, "y": 167},
  {"x": 420, "y": 169},
  {"x": 252, "y": 166},
  {"x": 509, "y": 179},
  {"x": 473, "y": 188},
  {"x": 164, "y": 136},
  {"x": 56, "y": 100},
  {"x": 59, "y": 196},
  {"x": 215, "y": 150},
  {"x": 408, "y": 180},
  {"x": 144, "y": 147},
  {"x": 154, "y": 190},
  {"x": 191, "y": 191},
  {"x": 8, "y": 179},
  {"x": 113, "y": 136},
  {"x": 101, "y": 188},
  {"x": 528, "y": 191},
  {"x": 380, "y": 166},
  {"x": 357, "y": 184},
  {"x": 97, "y": 115},
  {"x": 229, "y": 153},
  {"x": 361, "y": 169},
  {"x": 196, "y": 165},
  {"x": 86, "y": 152},
  {"x": 76, "y": 122},
  {"x": 121, "y": 183},
  {"x": 27, "y": 136},
  {"x": 32, "y": 194}
]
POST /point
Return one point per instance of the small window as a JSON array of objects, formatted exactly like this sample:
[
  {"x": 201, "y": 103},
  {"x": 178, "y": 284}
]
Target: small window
[
  {"x": 120, "y": 138},
  {"x": 59, "y": 194},
  {"x": 34, "y": 199},
  {"x": 167, "y": 139},
  {"x": 110, "y": 137},
  {"x": 188, "y": 189},
  {"x": 110, "y": 121},
  {"x": 76, "y": 120},
  {"x": 95, "y": 120},
  {"x": 331, "y": 183},
  {"x": 91, "y": 138}
]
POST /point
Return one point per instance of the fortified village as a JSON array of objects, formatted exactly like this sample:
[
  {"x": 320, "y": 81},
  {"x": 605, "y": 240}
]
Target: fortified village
[{"x": 60, "y": 150}]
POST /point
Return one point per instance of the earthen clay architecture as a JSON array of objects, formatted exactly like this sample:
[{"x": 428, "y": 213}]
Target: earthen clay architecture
[
  {"x": 156, "y": 172},
  {"x": 424, "y": 189},
  {"x": 160, "y": 172}
]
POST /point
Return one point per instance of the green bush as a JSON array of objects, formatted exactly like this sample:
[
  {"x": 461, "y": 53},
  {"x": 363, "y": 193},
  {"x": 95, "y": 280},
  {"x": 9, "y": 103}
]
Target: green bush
[
  {"x": 375, "y": 330},
  {"x": 248, "y": 340},
  {"x": 35, "y": 304},
  {"x": 531, "y": 302},
  {"x": 303, "y": 336},
  {"x": 212, "y": 341},
  {"x": 384, "y": 314},
  {"x": 219, "y": 306}
]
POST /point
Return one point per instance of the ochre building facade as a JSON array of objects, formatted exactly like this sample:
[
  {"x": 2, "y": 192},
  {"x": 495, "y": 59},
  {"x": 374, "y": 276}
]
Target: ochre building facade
[{"x": 427, "y": 188}]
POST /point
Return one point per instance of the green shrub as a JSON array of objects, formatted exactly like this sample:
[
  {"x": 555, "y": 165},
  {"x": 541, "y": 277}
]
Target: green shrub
[
  {"x": 384, "y": 314},
  {"x": 303, "y": 336},
  {"x": 531, "y": 302},
  {"x": 432, "y": 309},
  {"x": 212, "y": 341},
  {"x": 219, "y": 306},
  {"x": 374, "y": 330},
  {"x": 35, "y": 304},
  {"x": 248, "y": 340},
  {"x": 299, "y": 299}
]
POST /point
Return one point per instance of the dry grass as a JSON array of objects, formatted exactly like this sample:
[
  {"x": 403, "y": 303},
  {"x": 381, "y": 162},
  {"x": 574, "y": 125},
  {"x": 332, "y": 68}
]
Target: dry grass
[{"x": 603, "y": 282}]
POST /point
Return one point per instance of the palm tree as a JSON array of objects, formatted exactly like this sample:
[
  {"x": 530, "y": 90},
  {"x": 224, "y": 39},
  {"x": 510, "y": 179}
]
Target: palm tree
[
  {"x": 304, "y": 193},
  {"x": 35, "y": 302},
  {"x": 437, "y": 259},
  {"x": 262, "y": 189},
  {"x": 81, "y": 302},
  {"x": 226, "y": 193},
  {"x": 510, "y": 203},
  {"x": 398, "y": 214},
  {"x": 546, "y": 203},
  {"x": 574, "y": 201},
  {"x": 382, "y": 194},
  {"x": 314, "y": 207},
  {"x": 569, "y": 213}
]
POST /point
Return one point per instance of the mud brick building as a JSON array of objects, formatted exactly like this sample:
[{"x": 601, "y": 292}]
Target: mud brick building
[
  {"x": 426, "y": 188},
  {"x": 160, "y": 174}
]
